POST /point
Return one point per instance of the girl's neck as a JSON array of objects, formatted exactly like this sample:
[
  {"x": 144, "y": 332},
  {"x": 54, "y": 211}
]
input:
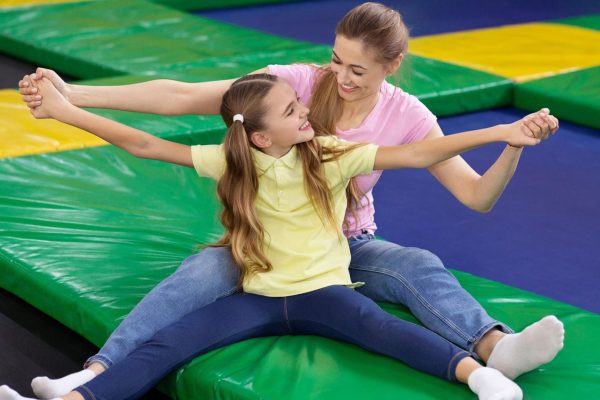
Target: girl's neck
[{"x": 355, "y": 112}]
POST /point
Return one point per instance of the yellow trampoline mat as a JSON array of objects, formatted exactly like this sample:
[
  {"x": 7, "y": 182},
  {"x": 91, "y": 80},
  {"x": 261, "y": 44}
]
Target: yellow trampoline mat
[
  {"x": 21, "y": 134},
  {"x": 23, "y": 3},
  {"x": 520, "y": 52}
]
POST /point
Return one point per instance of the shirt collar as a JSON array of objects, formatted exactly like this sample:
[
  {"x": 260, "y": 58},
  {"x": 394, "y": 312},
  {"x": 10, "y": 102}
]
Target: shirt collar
[{"x": 265, "y": 161}]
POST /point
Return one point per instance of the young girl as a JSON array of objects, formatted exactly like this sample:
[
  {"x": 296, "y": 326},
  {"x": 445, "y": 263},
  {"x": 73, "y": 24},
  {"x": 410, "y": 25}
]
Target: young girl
[
  {"x": 284, "y": 196},
  {"x": 349, "y": 97}
]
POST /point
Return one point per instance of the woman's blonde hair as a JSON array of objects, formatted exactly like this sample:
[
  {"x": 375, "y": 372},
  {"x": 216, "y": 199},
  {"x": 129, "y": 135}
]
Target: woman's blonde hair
[
  {"x": 381, "y": 30},
  {"x": 238, "y": 187}
]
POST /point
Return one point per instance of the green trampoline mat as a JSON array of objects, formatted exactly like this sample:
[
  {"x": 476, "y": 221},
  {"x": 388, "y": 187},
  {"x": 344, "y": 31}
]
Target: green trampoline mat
[
  {"x": 573, "y": 96},
  {"x": 586, "y": 21},
  {"x": 86, "y": 233},
  {"x": 101, "y": 39},
  {"x": 211, "y": 4}
]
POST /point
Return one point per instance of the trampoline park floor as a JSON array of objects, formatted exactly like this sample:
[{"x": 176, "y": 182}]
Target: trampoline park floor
[
  {"x": 553, "y": 251},
  {"x": 34, "y": 344}
]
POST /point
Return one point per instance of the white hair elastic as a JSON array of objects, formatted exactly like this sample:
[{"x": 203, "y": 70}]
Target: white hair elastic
[{"x": 238, "y": 117}]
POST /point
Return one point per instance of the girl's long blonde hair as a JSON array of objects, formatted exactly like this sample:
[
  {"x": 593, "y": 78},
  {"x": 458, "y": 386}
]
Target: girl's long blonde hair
[{"x": 238, "y": 187}]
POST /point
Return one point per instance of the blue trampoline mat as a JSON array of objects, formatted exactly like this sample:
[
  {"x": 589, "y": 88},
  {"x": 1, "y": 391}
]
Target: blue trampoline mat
[
  {"x": 315, "y": 21},
  {"x": 544, "y": 233}
]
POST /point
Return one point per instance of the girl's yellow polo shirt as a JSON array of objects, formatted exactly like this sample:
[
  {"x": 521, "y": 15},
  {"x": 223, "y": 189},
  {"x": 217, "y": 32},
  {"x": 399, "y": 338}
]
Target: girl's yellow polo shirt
[{"x": 305, "y": 254}]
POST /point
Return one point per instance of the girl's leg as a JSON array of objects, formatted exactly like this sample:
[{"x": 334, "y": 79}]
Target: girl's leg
[
  {"x": 417, "y": 279},
  {"x": 344, "y": 314},
  {"x": 201, "y": 279},
  {"x": 228, "y": 320}
]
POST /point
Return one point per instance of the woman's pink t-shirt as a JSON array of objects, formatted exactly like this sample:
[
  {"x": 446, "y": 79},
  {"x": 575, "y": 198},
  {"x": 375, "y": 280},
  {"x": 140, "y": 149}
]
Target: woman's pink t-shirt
[{"x": 397, "y": 118}]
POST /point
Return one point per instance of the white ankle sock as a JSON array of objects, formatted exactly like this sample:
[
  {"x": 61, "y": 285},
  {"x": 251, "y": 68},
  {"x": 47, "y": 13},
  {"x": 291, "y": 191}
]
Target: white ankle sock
[
  {"x": 47, "y": 388},
  {"x": 490, "y": 384},
  {"x": 521, "y": 352},
  {"x": 7, "y": 393}
]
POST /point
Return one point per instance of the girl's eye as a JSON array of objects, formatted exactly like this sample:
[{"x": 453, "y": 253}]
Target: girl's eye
[
  {"x": 336, "y": 61},
  {"x": 291, "y": 111},
  {"x": 358, "y": 73}
]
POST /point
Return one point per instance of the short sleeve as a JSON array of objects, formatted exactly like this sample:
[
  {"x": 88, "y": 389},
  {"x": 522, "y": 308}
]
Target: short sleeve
[
  {"x": 300, "y": 76},
  {"x": 419, "y": 120},
  {"x": 358, "y": 161},
  {"x": 209, "y": 160}
]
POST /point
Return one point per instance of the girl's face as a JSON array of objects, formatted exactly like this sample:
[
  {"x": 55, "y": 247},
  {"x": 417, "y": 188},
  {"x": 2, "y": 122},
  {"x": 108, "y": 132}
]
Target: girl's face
[
  {"x": 359, "y": 75},
  {"x": 286, "y": 121}
]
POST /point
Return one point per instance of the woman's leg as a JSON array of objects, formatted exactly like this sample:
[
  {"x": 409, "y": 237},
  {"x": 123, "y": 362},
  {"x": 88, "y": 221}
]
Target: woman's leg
[
  {"x": 201, "y": 279},
  {"x": 344, "y": 314},
  {"x": 417, "y": 279}
]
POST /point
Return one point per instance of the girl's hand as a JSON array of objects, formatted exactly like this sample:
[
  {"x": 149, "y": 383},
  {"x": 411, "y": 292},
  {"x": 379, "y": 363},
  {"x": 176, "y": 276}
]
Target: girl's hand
[
  {"x": 54, "y": 103},
  {"x": 532, "y": 129},
  {"x": 29, "y": 91}
]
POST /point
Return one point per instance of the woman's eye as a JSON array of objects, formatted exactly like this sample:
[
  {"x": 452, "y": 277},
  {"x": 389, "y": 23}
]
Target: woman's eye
[
  {"x": 358, "y": 73},
  {"x": 336, "y": 61},
  {"x": 291, "y": 111}
]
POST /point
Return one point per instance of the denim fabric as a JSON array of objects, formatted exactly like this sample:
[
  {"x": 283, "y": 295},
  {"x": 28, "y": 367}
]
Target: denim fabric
[
  {"x": 335, "y": 312},
  {"x": 409, "y": 276},
  {"x": 200, "y": 280},
  {"x": 417, "y": 279}
]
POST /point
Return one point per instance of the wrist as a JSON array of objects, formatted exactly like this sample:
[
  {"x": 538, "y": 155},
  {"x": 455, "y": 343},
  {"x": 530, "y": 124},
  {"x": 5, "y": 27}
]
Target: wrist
[{"x": 68, "y": 91}]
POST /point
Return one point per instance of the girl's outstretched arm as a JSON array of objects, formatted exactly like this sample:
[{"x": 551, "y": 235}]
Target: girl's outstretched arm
[
  {"x": 161, "y": 96},
  {"x": 134, "y": 141},
  {"x": 425, "y": 153}
]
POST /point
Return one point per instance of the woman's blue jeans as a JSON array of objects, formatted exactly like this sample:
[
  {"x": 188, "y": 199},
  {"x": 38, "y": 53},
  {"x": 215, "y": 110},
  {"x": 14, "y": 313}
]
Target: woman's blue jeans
[
  {"x": 336, "y": 312},
  {"x": 409, "y": 276}
]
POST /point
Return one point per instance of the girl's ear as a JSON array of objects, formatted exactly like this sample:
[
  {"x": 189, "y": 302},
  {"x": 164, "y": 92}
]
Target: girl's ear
[{"x": 260, "y": 140}]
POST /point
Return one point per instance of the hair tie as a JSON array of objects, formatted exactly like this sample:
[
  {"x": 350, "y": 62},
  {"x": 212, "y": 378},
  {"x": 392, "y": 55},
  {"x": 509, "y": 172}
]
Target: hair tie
[{"x": 238, "y": 117}]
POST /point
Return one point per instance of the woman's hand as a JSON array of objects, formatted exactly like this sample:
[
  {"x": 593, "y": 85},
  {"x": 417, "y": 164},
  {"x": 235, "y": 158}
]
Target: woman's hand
[
  {"x": 532, "y": 129},
  {"x": 54, "y": 104},
  {"x": 29, "y": 90}
]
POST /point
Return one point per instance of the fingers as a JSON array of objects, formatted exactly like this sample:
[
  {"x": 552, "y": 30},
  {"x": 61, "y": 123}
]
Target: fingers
[
  {"x": 30, "y": 92},
  {"x": 554, "y": 124},
  {"x": 541, "y": 124},
  {"x": 538, "y": 124}
]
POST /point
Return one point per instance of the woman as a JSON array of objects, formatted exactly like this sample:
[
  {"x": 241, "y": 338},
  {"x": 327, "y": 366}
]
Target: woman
[{"x": 352, "y": 99}]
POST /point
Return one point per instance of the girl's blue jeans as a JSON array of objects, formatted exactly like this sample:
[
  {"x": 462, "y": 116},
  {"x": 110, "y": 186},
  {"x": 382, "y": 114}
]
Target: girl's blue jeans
[
  {"x": 335, "y": 312},
  {"x": 409, "y": 276}
]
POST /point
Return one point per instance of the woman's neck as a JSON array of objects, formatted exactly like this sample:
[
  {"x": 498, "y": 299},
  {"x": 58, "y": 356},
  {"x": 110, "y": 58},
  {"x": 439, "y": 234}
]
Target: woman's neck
[{"x": 355, "y": 112}]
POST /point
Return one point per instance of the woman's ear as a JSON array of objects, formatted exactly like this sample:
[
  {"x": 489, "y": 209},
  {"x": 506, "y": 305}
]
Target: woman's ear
[
  {"x": 393, "y": 67},
  {"x": 260, "y": 140}
]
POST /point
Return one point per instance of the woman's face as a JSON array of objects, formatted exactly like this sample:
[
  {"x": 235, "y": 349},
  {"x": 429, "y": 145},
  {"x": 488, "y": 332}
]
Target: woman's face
[{"x": 359, "y": 75}]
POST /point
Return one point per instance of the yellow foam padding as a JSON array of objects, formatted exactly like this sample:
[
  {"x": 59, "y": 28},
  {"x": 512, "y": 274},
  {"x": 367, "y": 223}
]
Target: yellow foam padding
[
  {"x": 22, "y": 3},
  {"x": 520, "y": 52},
  {"x": 21, "y": 134}
]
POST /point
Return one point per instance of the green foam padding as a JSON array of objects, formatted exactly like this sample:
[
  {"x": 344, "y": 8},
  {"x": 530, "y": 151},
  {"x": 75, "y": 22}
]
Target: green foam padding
[
  {"x": 585, "y": 21},
  {"x": 212, "y": 4},
  {"x": 86, "y": 233},
  {"x": 449, "y": 89},
  {"x": 573, "y": 96},
  {"x": 100, "y": 39}
]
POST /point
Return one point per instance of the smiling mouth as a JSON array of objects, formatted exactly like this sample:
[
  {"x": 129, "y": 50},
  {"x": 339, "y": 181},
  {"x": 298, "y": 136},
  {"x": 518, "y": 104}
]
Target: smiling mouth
[
  {"x": 305, "y": 126},
  {"x": 348, "y": 88}
]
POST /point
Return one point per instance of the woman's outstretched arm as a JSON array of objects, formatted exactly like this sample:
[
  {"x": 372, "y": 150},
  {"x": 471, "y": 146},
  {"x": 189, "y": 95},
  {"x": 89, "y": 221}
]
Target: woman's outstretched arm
[
  {"x": 134, "y": 141},
  {"x": 481, "y": 192},
  {"x": 161, "y": 96},
  {"x": 426, "y": 153}
]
